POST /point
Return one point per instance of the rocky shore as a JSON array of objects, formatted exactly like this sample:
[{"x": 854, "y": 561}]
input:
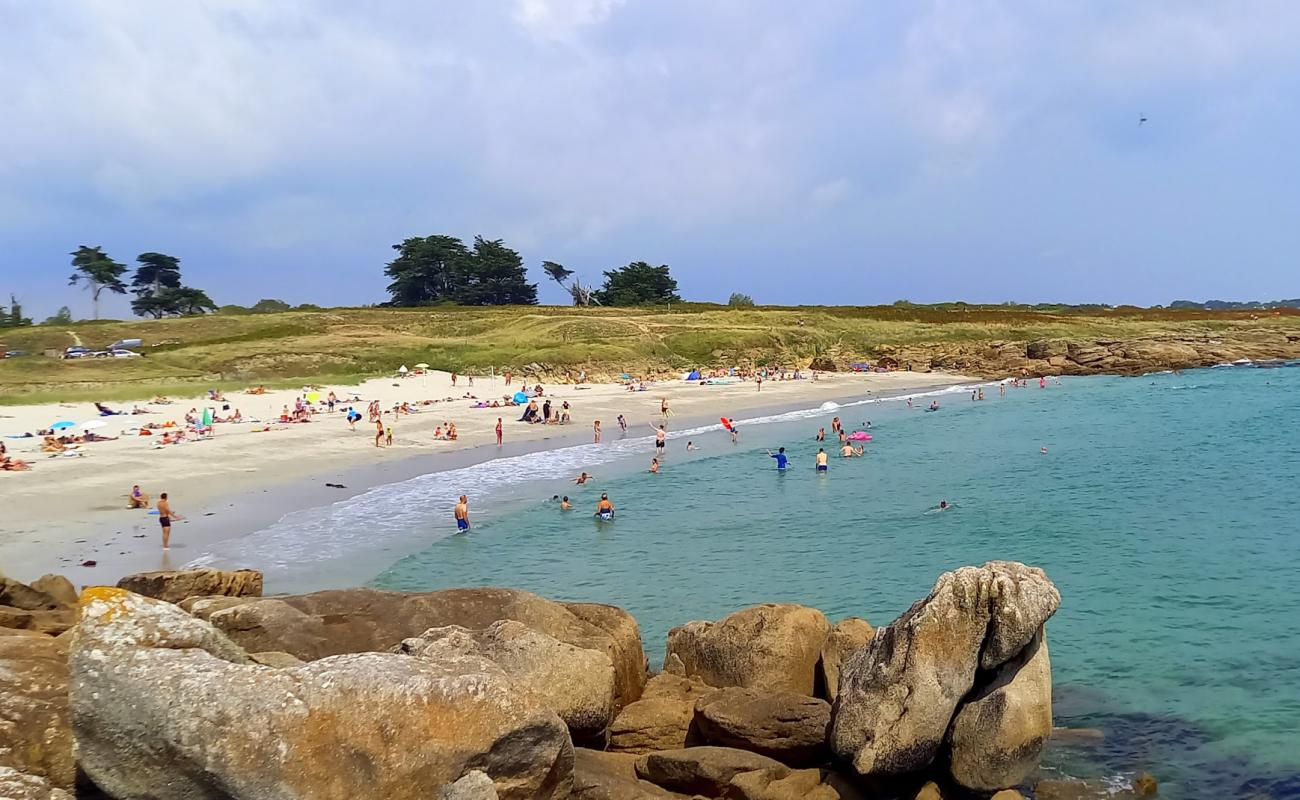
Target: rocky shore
[
  {"x": 1101, "y": 356},
  {"x": 193, "y": 685}
]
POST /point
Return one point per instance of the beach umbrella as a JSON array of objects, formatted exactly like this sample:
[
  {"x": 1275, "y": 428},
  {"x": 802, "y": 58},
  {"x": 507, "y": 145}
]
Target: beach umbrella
[
  {"x": 93, "y": 423},
  {"x": 63, "y": 423},
  {"x": 521, "y": 398},
  {"x": 402, "y": 369},
  {"x": 421, "y": 366}
]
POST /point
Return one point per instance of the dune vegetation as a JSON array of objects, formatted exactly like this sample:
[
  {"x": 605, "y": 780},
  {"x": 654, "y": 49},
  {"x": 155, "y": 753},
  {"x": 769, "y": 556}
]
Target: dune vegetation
[{"x": 189, "y": 354}]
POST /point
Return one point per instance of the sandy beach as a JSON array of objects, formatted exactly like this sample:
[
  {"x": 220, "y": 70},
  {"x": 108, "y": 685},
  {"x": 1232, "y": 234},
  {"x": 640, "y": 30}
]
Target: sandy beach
[{"x": 69, "y": 510}]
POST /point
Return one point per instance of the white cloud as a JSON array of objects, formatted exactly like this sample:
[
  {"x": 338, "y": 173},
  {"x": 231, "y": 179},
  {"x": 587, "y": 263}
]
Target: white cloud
[{"x": 561, "y": 19}]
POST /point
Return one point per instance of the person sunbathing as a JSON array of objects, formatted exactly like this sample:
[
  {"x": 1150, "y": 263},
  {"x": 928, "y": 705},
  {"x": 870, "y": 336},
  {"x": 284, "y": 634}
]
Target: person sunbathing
[
  {"x": 95, "y": 437},
  {"x": 10, "y": 464},
  {"x": 105, "y": 411},
  {"x": 51, "y": 445}
]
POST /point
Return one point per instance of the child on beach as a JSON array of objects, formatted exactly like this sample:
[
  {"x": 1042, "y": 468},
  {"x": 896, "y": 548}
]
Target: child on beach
[{"x": 388, "y": 436}]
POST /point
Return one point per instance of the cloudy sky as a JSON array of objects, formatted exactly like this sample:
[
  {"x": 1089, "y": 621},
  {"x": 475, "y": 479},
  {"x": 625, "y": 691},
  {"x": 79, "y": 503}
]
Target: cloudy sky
[{"x": 845, "y": 152}]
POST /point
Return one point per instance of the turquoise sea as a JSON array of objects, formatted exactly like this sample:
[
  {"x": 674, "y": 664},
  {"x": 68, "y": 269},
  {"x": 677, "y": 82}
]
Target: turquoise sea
[{"x": 1165, "y": 509}]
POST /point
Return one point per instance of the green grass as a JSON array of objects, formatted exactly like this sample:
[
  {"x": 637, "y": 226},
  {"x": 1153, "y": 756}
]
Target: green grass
[{"x": 186, "y": 356}]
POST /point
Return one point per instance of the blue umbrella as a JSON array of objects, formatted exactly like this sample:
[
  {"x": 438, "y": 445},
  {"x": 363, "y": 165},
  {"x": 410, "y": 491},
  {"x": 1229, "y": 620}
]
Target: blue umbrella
[
  {"x": 521, "y": 398},
  {"x": 61, "y": 424}
]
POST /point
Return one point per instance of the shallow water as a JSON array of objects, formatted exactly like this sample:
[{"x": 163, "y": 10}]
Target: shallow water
[{"x": 1165, "y": 510}]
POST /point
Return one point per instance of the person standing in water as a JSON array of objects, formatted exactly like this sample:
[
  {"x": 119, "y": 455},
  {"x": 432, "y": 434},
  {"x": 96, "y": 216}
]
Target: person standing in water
[
  {"x": 822, "y": 466},
  {"x": 782, "y": 460},
  {"x": 654, "y": 465},
  {"x": 462, "y": 514},
  {"x": 821, "y": 434},
  {"x": 735, "y": 435},
  {"x": 605, "y": 509},
  {"x": 661, "y": 439},
  {"x": 165, "y": 517},
  {"x": 564, "y": 503},
  {"x": 595, "y": 430}
]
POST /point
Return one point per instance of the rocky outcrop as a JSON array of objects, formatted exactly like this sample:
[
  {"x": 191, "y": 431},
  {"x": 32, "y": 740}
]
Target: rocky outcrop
[
  {"x": 574, "y": 682},
  {"x": 599, "y": 775},
  {"x": 57, "y": 588},
  {"x": 783, "y": 725},
  {"x": 846, "y": 637},
  {"x": 996, "y": 738},
  {"x": 775, "y": 647},
  {"x": 702, "y": 770},
  {"x": 164, "y": 705},
  {"x": 473, "y": 785},
  {"x": 41, "y": 607},
  {"x": 177, "y": 585},
  {"x": 15, "y": 785},
  {"x": 35, "y": 725},
  {"x": 803, "y": 784},
  {"x": 899, "y": 695},
  {"x": 663, "y": 719},
  {"x": 371, "y": 620}
]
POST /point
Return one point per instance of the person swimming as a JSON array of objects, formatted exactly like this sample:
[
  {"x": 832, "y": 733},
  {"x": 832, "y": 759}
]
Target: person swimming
[
  {"x": 654, "y": 465},
  {"x": 583, "y": 478},
  {"x": 564, "y": 503},
  {"x": 605, "y": 509},
  {"x": 691, "y": 446}
]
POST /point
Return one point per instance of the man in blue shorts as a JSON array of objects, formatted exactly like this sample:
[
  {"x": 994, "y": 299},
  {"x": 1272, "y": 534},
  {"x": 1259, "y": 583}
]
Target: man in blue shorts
[{"x": 462, "y": 514}]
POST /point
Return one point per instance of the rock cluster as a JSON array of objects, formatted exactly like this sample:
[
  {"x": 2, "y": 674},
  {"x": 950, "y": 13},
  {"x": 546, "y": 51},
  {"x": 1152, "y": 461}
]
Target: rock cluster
[{"x": 474, "y": 694}]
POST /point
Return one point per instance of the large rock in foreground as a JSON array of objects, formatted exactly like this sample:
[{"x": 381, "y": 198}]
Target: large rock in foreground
[
  {"x": 769, "y": 646},
  {"x": 177, "y": 585},
  {"x": 783, "y": 725},
  {"x": 702, "y": 770},
  {"x": 899, "y": 694},
  {"x": 43, "y": 606},
  {"x": 340, "y": 621},
  {"x": 846, "y": 637},
  {"x": 35, "y": 725},
  {"x": 15, "y": 785},
  {"x": 611, "y": 776},
  {"x": 663, "y": 719},
  {"x": 999, "y": 733},
  {"x": 576, "y": 683},
  {"x": 164, "y": 705}
]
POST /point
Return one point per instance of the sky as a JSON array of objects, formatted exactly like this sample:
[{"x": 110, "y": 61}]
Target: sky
[{"x": 823, "y": 152}]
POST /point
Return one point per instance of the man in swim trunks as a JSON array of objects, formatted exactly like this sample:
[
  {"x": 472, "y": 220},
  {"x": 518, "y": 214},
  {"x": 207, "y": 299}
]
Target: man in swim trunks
[
  {"x": 781, "y": 458},
  {"x": 661, "y": 438},
  {"x": 821, "y": 460},
  {"x": 462, "y": 514},
  {"x": 605, "y": 509},
  {"x": 165, "y": 517}
]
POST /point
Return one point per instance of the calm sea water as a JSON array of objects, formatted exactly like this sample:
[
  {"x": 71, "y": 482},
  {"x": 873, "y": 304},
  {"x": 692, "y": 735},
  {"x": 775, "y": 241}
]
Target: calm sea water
[{"x": 1165, "y": 510}]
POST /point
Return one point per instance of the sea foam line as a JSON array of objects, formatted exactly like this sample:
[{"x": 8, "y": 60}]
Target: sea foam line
[{"x": 389, "y": 515}]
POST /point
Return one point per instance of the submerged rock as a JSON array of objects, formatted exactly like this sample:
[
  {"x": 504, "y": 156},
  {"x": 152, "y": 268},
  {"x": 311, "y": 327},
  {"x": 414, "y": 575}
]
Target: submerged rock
[
  {"x": 763, "y": 647},
  {"x": 899, "y": 694},
  {"x": 177, "y": 585},
  {"x": 164, "y": 705}
]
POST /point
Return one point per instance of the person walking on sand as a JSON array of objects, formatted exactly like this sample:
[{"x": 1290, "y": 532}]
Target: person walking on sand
[
  {"x": 462, "y": 514},
  {"x": 165, "y": 517},
  {"x": 379, "y": 432},
  {"x": 622, "y": 423},
  {"x": 663, "y": 408},
  {"x": 453, "y": 380},
  {"x": 498, "y": 431},
  {"x": 822, "y": 466},
  {"x": 595, "y": 430}
]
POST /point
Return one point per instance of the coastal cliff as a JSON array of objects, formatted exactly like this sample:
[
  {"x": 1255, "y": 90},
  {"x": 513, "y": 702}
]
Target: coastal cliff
[{"x": 499, "y": 693}]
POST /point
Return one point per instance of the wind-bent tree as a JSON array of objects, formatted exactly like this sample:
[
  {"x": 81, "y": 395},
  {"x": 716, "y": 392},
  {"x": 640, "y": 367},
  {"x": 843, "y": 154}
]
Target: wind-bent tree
[
  {"x": 173, "y": 301},
  {"x": 427, "y": 270},
  {"x": 156, "y": 271},
  {"x": 582, "y": 295},
  {"x": 494, "y": 275},
  {"x": 93, "y": 267},
  {"x": 638, "y": 284}
]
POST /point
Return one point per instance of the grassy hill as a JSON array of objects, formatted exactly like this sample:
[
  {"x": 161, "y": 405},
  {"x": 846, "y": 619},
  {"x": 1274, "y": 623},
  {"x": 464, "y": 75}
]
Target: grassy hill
[{"x": 290, "y": 348}]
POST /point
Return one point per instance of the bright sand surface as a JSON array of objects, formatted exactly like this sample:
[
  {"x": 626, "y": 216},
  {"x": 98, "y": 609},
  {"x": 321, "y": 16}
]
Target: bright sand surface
[{"x": 67, "y": 510}]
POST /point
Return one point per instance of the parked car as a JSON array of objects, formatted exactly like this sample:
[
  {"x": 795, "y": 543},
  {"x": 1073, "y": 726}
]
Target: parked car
[
  {"x": 14, "y": 353},
  {"x": 76, "y": 351},
  {"x": 122, "y": 353}
]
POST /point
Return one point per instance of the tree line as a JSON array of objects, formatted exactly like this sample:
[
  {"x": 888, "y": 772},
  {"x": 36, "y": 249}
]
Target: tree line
[
  {"x": 156, "y": 283},
  {"x": 443, "y": 269}
]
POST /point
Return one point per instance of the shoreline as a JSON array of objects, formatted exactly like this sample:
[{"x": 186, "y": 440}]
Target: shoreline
[{"x": 224, "y": 495}]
